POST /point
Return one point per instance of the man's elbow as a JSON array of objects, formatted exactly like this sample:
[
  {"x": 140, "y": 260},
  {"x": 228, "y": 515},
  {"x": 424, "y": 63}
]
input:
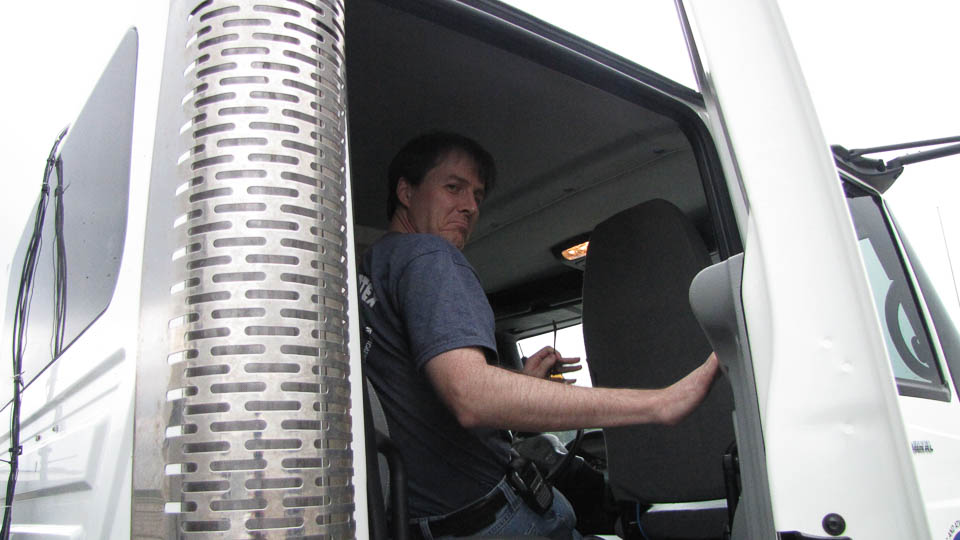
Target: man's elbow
[
  {"x": 457, "y": 377},
  {"x": 469, "y": 419},
  {"x": 464, "y": 407}
]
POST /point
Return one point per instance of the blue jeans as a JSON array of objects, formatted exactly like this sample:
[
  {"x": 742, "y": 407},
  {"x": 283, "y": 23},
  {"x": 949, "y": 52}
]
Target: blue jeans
[{"x": 517, "y": 519}]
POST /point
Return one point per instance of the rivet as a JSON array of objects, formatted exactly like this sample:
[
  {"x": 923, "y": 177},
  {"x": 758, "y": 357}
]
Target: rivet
[{"x": 834, "y": 524}]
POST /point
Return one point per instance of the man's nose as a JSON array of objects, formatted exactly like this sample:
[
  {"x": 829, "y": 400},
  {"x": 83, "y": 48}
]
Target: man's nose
[{"x": 469, "y": 204}]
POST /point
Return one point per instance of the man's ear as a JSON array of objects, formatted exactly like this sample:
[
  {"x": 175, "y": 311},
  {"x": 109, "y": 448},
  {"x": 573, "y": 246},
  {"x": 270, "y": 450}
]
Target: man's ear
[{"x": 404, "y": 192}]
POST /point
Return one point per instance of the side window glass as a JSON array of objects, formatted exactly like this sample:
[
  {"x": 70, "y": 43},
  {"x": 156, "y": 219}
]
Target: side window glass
[
  {"x": 908, "y": 342},
  {"x": 648, "y": 33},
  {"x": 569, "y": 341}
]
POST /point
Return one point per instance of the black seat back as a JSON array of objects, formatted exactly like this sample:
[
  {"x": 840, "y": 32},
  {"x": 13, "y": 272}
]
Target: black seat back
[
  {"x": 639, "y": 331},
  {"x": 386, "y": 473}
]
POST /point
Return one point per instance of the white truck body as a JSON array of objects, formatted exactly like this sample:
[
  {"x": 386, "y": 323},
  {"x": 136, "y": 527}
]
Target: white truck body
[{"x": 102, "y": 425}]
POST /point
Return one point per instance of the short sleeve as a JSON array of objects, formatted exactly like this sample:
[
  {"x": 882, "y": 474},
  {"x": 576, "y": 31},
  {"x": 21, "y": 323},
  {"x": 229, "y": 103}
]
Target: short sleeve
[{"x": 444, "y": 306}]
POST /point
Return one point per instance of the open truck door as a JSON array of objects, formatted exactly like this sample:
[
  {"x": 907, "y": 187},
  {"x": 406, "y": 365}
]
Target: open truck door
[{"x": 233, "y": 388}]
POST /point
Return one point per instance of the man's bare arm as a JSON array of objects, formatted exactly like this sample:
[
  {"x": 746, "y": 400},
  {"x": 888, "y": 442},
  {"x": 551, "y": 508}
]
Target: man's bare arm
[{"x": 488, "y": 396}]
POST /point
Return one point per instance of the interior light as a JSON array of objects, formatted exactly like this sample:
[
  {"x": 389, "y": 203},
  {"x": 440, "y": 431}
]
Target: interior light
[{"x": 578, "y": 251}]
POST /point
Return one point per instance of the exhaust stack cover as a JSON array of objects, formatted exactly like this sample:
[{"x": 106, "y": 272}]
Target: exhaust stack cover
[{"x": 258, "y": 441}]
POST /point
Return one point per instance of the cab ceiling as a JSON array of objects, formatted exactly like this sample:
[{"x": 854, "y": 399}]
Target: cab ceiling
[{"x": 568, "y": 155}]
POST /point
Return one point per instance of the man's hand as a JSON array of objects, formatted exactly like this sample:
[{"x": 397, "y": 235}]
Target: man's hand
[
  {"x": 547, "y": 361},
  {"x": 683, "y": 396}
]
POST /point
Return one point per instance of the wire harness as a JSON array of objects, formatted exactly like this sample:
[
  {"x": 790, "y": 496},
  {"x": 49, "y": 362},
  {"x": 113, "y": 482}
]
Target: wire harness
[{"x": 22, "y": 311}]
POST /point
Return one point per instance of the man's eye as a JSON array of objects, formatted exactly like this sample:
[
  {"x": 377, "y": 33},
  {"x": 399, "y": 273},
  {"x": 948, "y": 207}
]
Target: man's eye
[{"x": 452, "y": 187}]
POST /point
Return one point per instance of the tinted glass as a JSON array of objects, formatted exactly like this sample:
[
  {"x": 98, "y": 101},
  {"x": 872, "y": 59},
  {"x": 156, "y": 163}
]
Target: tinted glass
[{"x": 911, "y": 353}]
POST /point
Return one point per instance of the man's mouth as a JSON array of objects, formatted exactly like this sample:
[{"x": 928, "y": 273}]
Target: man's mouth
[{"x": 462, "y": 231}]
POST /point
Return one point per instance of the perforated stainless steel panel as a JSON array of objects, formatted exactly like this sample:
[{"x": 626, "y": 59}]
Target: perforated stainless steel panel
[{"x": 258, "y": 442}]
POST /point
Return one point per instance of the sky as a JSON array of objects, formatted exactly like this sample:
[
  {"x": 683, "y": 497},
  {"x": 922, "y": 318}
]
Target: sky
[{"x": 879, "y": 72}]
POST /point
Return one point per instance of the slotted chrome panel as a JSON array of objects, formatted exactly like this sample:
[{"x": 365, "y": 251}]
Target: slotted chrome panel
[{"x": 258, "y": 442}]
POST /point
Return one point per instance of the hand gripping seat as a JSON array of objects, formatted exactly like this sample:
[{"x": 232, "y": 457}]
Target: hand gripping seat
[{"x": 640, "y": 332}]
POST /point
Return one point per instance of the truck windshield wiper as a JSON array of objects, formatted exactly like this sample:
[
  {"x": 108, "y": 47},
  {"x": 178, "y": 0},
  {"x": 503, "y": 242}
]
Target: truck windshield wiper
[{"x": 881, "y": 174}]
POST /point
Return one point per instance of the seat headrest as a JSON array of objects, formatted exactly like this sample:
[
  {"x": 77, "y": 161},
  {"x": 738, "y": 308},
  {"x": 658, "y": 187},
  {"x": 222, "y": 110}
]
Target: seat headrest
[
  {"x": 638, "y": 272},
  {"x": 639, "y": 331}
]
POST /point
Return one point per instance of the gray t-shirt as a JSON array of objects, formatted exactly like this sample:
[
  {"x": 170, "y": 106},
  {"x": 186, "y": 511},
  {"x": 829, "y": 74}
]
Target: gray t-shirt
[{"x": 419, "y": 297}]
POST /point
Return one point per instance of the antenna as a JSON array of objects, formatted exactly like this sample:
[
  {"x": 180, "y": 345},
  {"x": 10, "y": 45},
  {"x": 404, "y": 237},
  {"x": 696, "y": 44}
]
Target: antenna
[{"x": 946, "y": 246}]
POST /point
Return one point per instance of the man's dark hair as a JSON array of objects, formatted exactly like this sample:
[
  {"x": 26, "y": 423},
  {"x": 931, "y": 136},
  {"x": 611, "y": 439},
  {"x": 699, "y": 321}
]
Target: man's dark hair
[{"x": 425, "y": 152}]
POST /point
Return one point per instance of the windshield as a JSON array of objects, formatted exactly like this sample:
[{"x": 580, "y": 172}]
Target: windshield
[{"x": 908, "y": 343}]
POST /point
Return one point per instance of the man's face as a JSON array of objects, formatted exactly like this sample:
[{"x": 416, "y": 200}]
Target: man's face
[{"x": 447, "y": 201}]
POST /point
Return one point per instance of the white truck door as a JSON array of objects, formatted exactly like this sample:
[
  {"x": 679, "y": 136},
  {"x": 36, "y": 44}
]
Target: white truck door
[{"x": 833, "y": 434}]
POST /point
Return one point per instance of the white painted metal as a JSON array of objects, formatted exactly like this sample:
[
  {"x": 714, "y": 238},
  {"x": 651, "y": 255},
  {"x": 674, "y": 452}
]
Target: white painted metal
[
  {"x": 835, "y": 441},
  {"x": 360, "y": 515},
  {"x": 77, "y": 416},
  {"x": 932, "y": 427}
]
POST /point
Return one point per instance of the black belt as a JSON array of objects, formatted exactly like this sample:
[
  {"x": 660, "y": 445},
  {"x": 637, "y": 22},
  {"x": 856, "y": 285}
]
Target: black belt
[{"x": 465, "y": 521}]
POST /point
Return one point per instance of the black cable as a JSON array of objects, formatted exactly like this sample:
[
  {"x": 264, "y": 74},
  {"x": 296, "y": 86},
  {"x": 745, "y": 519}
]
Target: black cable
[
  {"x": 20, "y": 318},
  {"x": 60, "y": 266}
]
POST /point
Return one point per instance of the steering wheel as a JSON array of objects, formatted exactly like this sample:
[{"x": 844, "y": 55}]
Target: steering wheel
[{"x": 572, "y": 448}]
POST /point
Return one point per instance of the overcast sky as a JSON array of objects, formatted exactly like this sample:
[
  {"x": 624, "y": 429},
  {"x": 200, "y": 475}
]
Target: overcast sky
[{"x": 879, "y": 71}]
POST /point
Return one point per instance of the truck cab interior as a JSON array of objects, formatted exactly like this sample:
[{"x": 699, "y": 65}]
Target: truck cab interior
[{"x": 588, "y": 146}]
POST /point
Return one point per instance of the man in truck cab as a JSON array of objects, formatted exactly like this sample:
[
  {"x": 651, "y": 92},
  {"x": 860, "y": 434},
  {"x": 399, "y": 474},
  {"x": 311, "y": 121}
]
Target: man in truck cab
[{"x": 430, "y": 353}]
